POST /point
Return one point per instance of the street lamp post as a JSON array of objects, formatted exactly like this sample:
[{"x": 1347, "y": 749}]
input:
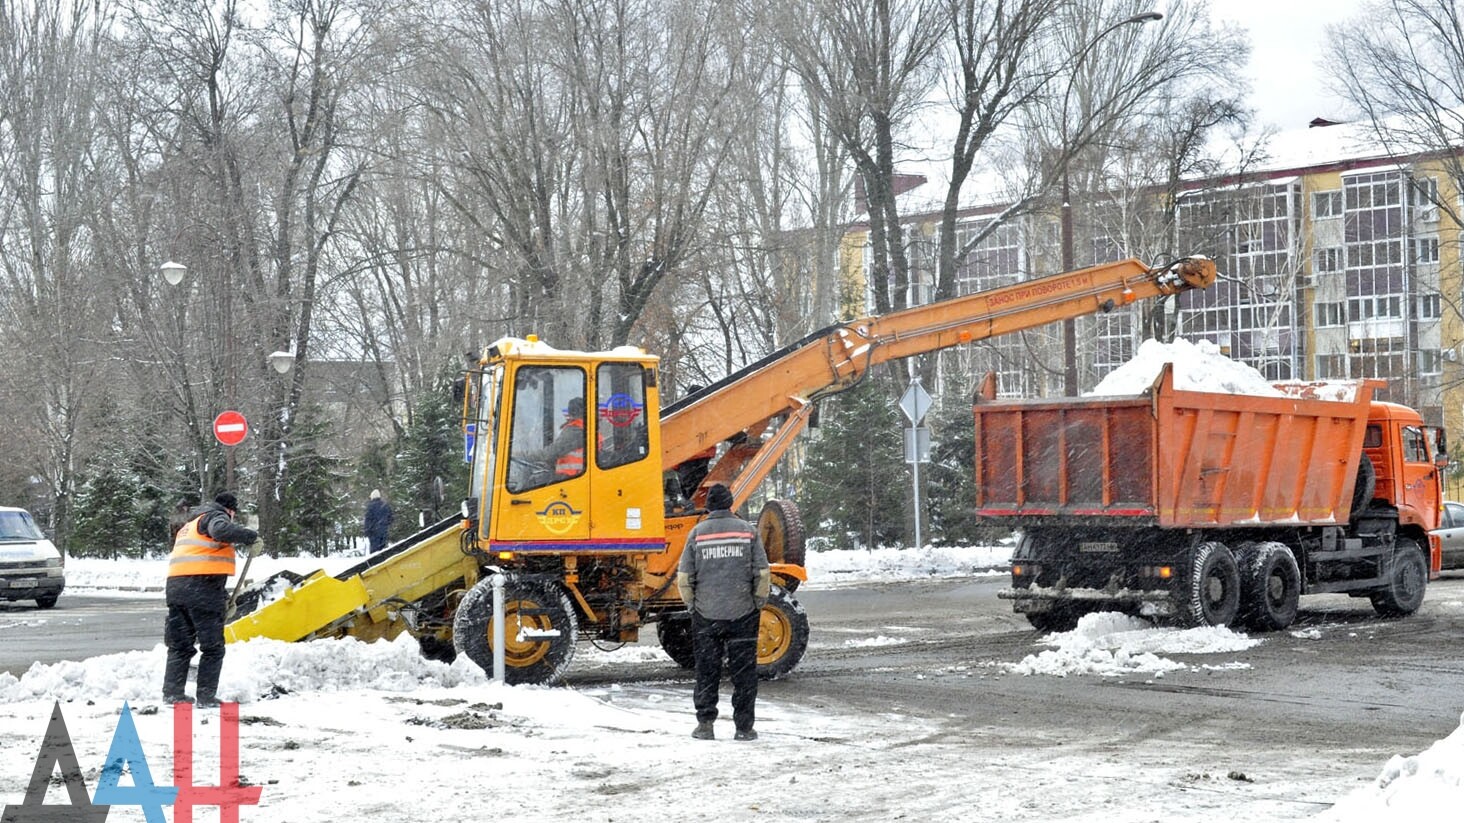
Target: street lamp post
[{"x": 1070, "y": 325}]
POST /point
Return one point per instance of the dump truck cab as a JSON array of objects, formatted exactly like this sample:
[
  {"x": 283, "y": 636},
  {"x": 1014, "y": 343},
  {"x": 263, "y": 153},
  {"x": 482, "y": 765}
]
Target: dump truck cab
[
  {"x": 1405, "y": 457},
  {"x": 566, "y": 451}
]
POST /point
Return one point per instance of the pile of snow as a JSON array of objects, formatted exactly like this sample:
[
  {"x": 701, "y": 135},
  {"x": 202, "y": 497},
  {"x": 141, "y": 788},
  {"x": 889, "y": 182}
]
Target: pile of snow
[
  {"x": 1426, "y": 786},
  {"x": 1197, "y": 367},
  {"x": 253, "y": 670},
  {"x": 1112, "y": 643}
]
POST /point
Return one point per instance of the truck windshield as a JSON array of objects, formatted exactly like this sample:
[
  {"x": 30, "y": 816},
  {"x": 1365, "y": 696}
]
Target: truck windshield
[{"x": 18, "y": 526}]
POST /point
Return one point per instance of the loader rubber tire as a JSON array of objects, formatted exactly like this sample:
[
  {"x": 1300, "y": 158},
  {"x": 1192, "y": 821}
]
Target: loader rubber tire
[
  {"x": 780, "y": 527},
  {"x": 677, "y": 640},
  {"x": 527, "y": 605},
  {"x": 782, "y": 635},
  {"x": 1270, "y": 586},
  {"x": 1212, "y": 590},
  {"x": 1407, "y": 578}
]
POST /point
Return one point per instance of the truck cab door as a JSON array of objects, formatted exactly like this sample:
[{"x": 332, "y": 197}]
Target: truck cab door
[
  {"x": 1419, "y": 486},
  {"x": 544, "y": 467}
]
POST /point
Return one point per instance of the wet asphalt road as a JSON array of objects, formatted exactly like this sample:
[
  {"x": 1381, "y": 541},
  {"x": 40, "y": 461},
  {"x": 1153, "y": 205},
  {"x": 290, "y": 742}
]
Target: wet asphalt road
[{"x": 1341, "y": 689}]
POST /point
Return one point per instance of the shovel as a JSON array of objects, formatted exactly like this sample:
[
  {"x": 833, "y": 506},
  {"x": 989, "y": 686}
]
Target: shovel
[{"x": 239, "y": 585}]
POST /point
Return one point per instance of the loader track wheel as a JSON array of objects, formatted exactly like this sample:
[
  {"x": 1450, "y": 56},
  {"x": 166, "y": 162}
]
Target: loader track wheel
[
  {"x": 1212, "y": 589},
  {"x": 1407, "y": 576},
  {"x": 1270, "y": 586},
  {"x": 782, "y": 635},
  {"x": 677, "y": 640},
  {"x": 540, "y": 630},
  {"x": 780, "y": 528}
]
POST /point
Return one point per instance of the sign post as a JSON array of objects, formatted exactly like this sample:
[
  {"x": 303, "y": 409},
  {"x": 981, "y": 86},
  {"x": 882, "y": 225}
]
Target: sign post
[{"x": 915, "y": 402}]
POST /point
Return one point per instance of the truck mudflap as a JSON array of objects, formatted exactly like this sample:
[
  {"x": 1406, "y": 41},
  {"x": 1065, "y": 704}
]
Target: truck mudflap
[{"x": 1150, "y": 602}]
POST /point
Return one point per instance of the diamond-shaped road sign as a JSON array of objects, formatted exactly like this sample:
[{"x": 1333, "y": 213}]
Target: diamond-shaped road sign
[{"x": 915, "y": 402}]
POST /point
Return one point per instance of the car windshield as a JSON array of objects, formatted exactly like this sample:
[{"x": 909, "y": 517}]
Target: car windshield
[{"x": 18, "y": 526}]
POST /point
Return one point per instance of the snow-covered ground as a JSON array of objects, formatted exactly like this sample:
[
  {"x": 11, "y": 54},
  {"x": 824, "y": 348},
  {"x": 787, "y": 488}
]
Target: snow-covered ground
[{"x": 341, "y": 729}]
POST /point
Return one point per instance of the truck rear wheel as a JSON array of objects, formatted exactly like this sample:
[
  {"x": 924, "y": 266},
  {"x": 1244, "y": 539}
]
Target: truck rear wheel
[
  {"x": 1270, "y": 586},
  {"x": 780, "y": 528},
  {"x": 1407, "y": 577},
  {"x": 676, "y": 640},
  {"x": 782, "y": 635},
  {"x": 540, "y": 630},
  {"x": 1212, "y": 593}
]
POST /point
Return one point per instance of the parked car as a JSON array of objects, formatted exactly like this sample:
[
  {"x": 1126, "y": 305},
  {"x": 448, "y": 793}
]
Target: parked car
[
  {"x": 30, "y": 566},
  {"x": 1451, "y": 535}
]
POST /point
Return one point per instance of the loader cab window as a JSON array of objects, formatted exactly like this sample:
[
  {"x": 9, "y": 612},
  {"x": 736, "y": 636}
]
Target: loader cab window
[
  {"x": 547, "y": 439},
  {"x": 484, "y": 421},
  {"x": 621, "y": 412}
]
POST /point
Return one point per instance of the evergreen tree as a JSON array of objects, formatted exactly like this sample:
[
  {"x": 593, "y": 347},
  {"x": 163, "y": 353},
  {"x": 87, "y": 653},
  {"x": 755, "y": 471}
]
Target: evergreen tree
[
  {"x": 317, "y": 493},
  {"x": 949, "y": 478},
  {"x": 109, "y": 521},
  {"x": 429, "y": 475},
  {"x": 856, "y": 491}
]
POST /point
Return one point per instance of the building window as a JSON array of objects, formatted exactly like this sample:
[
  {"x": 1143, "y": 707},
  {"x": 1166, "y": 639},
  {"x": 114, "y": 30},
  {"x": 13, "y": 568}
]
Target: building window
[
  {"x": 1328, "y": 260},
  {"x": 1331, "y": 367},
  {"x": 1424, "y": 250},
  {"x": 1429, "y": 361},
  {"x": 1430, "y": 306},
  {"x": 1330, "y": 314},
  {"x": 1371, "y": 308},
  {"x": 1327, "y": 204},
  {"x": 1423, "y": 198}
]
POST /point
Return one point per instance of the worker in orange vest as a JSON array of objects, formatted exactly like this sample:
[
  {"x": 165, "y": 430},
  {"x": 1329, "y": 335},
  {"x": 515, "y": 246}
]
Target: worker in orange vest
[
  {"x": 568, "y": 447},
  {"x": 198, "y": 568}
]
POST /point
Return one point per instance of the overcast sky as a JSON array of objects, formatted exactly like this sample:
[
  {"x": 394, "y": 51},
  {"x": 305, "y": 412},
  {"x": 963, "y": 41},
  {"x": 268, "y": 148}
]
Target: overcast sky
[{"x": 1287, "y": 38}]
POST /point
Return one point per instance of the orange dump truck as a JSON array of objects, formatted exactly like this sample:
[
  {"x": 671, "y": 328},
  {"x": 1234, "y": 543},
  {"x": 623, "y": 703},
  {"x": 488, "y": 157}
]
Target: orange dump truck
[{"x": 1211, "y": 508}]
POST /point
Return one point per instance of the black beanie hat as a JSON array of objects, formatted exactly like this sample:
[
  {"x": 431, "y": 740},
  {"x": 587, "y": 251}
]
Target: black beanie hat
[
  {"x": 227, "y": 500},
  {"x": 719, "y": 497}
]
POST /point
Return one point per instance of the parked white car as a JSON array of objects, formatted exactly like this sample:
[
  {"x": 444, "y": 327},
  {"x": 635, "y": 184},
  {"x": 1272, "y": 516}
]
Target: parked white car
[
  {"x": 1451, "y": 535},
  {"x": 30, "y": 566}
]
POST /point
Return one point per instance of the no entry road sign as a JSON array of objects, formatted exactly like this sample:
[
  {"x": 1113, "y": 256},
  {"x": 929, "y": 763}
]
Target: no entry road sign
[{"x": 231, "y": 428}]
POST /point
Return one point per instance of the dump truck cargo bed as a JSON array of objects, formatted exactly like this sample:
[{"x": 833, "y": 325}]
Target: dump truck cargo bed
[{"x": 1172, "y": 458}]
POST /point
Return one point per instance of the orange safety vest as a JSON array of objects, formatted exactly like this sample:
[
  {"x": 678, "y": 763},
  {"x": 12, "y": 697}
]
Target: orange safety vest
[
  {"x": 195, "y": 554},
  {"x": 572, "y": 463}
]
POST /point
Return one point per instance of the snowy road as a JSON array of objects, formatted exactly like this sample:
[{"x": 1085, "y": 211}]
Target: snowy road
[{"x": 910, "y": 704}]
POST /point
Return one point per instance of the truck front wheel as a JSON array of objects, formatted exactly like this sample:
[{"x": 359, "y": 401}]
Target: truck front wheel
[
  {"x": 1212, "y": 592},
  {"x": 1407, "y": 575}
]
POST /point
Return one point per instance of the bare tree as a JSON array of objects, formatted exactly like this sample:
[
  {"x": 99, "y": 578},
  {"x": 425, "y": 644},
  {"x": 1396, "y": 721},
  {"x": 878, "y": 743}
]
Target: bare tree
[
  {"x": 870, "y": 64},
  {"x": 51, "y": 315}
]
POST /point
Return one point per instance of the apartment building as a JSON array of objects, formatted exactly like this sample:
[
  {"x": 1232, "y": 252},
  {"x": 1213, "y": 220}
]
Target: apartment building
[{"x": 1336, "y": 261}]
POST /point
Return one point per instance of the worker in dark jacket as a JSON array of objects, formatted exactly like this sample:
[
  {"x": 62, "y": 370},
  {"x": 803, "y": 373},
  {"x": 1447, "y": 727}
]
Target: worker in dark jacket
[
  {"x": 724, "y": 580},
  {"x": 377, "y": 521},
  {"x": 198, "y": 568}
]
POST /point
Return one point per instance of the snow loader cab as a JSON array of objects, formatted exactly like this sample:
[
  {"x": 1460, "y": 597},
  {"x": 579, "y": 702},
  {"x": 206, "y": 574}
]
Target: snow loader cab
[{"x": 553, "y": 473}]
